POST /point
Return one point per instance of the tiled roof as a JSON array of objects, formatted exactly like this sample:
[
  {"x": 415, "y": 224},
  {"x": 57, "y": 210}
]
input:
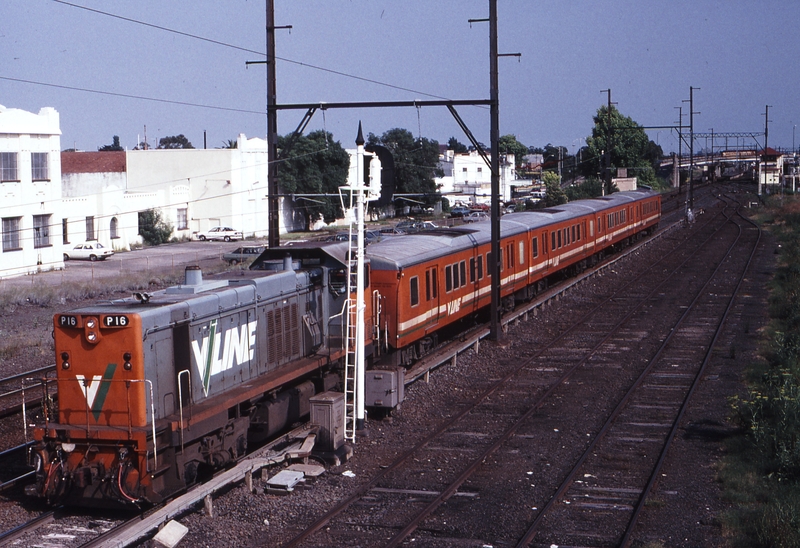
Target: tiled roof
[{"x": 93, "y": 162}]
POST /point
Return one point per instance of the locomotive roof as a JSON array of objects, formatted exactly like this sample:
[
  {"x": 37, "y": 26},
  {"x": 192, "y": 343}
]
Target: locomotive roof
[{"x": 410, "y": 249}]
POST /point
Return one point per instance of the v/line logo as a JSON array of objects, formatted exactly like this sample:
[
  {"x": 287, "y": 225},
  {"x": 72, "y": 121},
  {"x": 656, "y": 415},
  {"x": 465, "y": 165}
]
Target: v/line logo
[
  {"x": 237, "y": 348},
  {"x": 96, "y": 389}
]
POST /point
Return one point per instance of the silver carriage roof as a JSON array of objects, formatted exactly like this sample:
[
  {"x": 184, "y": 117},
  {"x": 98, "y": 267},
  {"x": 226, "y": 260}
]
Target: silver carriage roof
[{"x": 402, "y": 251}]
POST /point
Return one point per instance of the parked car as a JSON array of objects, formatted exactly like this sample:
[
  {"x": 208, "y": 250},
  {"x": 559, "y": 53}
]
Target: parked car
[
  {"x": 411, "y": 226},
  {"x": 370, "y": 236},
  {"x": 91, "y": 251},
  {"x": 475, "y": 216},
  {"x": 459, "y": 211},
  {"x": 224, "y": 233},
  {"x": 244, "y": 253}
]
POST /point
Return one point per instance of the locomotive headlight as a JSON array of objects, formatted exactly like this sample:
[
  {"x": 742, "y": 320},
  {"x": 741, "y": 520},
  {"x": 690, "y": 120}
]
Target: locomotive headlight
[
  {"x": 91, "y": 332},
  {"x": 68, "y": 447}
]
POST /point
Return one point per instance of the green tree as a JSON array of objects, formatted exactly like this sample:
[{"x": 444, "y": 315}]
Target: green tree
[
  {"x": 627, "y": 143},
  {"x": 152, "y": 228},
  {"x": 508, "y": 144},
  {"x": 315, "y": 164},
  {"x": 554, "y": 195},
  {"x": 174, "y": 141},
  {"x": 416, "y": 162},
  {"x": 456, "y": 146},
  {"x": 230, "y": 143},
  {"x": 114, "y": 146}
]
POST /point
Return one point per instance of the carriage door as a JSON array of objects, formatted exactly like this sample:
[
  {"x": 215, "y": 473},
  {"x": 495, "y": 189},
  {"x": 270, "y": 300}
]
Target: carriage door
[{"x": 432, "y": 293}]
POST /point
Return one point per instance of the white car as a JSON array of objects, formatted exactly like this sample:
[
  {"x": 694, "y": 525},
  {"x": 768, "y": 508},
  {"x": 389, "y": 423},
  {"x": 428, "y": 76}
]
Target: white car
[
  {"x": 92, "y": 251},
  {"x": 224, "y": 233}
]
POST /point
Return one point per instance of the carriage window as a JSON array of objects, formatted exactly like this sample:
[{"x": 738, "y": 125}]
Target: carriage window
[
  {"x": 521, "y": 252},
  {"x": 435, "y": 279},
  {"x": 414, "y": 291},
  {"x": 573, "y": 233},
  {"x": 579, "y": 233},
  {"x": 489, "y": 265},
  {"x": 591, "y": 228},
  {"x": 559, "y": 238},
  {"x": 463, "y": 272},
  {"x": 534, "y": 247},
  {"x": 472, "y": 270},
  {"x": 448, "y": 278},
  {"x": 553, "y": 238},
  {"x": 480, "y": 267}
]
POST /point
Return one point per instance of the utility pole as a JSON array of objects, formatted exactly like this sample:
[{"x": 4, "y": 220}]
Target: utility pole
[
  {"x": 494, "y": 107},
  {"x": 766, "y": 143},
  {"x": 690, "y": 192},
  {"x": 609, "y": 144},
  {"x": 680, "y": 143},
  {"x": 273, "y": 204}
]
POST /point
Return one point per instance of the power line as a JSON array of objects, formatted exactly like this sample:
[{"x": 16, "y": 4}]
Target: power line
[{"x": 261, "y": 53}]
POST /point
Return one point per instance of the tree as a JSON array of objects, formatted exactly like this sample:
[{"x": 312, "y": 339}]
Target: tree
[
  {"x": 625, "y": 141},
  {"x": 416, "y": 162},
  {"x": 508, "y": 144},
  {"x": 553, "y": 194},
  {"x": 315, "y": 164},
  {"x": 174, "y": 141},
  {"x": 456, "y": 146},
  {"x": 113, "y": 147},
  {"x": 230, "y": 143},
  {"x": 152, "y": 228}
]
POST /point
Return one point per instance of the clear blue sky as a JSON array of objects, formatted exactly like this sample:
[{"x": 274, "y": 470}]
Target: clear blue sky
[{"x": 740, "y": 53}]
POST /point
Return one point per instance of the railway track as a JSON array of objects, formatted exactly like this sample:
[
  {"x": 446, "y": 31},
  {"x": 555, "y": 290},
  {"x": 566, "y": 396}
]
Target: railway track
[{"x": 431, "y": 490}]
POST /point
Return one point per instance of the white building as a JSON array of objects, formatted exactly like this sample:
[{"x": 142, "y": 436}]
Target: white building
[
  {"x": 468, "y": 179},
  {"x": 193, "y": 189},
  {"x": 30, "y": 191}
]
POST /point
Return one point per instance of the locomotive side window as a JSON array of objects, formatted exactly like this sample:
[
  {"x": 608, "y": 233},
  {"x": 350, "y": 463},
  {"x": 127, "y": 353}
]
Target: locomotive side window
[{"x": 414, "y": 283}]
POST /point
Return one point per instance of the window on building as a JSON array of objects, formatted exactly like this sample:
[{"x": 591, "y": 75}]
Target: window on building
[
  {"x": 64, "y": 233},
  {"x": 90, "y": 229},
  {"x": 8, "y": 166},
  {"x": 41, "y": 230},
  {"x": 11, "y": 233},
  {"x": 113, "y": 227},
  {"x": 183, "y": 218},
  {"x": 39, "y": 171},
  {"x": 414, "y": 291}
]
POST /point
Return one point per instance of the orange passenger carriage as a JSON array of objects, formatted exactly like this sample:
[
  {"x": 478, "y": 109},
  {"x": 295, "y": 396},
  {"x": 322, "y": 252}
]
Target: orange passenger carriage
[{"x": 439, "y": 279}]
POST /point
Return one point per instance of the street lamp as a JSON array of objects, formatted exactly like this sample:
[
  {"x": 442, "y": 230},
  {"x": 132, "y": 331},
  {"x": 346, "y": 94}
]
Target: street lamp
[{"x": 794, "y": 150}]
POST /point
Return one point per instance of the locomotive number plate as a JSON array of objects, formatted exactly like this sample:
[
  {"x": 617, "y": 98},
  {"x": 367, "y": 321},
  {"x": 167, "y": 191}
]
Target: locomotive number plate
[
  {"x": 67, "y": 321},
  {"x": 115, "y": 320}
]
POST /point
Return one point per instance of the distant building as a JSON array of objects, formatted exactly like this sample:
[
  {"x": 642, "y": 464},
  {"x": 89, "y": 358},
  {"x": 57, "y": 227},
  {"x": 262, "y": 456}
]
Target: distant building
[
  {"x": 193, "y": 189},
  {"x": 30, "y": 191},
  {"x": 467, "y": 177},
  {"x": 770, "y": 168}
]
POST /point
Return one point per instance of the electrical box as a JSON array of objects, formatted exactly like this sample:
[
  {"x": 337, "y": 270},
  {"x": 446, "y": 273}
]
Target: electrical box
[
  {"x": 327, "y": 412},
  {"x": 384, "y": 387}
]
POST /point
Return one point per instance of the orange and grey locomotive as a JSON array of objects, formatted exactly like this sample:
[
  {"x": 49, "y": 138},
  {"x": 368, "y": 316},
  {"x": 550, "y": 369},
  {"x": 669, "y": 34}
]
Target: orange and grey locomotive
[{"x": 155, "y": 390}]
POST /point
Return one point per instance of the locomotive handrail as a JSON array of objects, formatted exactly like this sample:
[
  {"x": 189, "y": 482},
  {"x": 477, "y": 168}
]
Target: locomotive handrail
[{"x": 180, "y": 400}]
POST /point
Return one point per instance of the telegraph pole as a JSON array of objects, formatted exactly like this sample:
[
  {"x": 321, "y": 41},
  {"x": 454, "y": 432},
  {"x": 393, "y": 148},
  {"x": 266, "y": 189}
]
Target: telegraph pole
[
  {"x": 494, "y": 107},
  {"x": 690, "y": 192},
  {"x": 273, "y": 204},
  {"x": 609, "y": 144}
]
